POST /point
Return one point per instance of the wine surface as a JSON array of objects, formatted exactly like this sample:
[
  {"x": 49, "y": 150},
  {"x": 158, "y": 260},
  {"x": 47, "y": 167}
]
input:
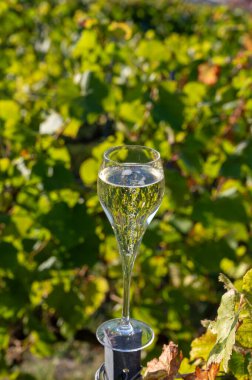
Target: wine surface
[{"x": 130, "y": 196}]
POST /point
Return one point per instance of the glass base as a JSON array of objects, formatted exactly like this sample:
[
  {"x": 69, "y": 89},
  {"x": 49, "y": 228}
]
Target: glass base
[
  {"x": 125, "y": 338},
  {"x": 101, "y": 373}
]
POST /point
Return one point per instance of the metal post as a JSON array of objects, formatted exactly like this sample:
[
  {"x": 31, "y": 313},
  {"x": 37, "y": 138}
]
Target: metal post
[{"x": 122, "y": 365}]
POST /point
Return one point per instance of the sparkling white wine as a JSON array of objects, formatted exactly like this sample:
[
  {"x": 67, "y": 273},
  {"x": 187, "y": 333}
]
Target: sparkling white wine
[{"x": 130, "y": 195}]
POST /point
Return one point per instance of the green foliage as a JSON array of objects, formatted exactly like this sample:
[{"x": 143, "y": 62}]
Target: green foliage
[
  {"x": 226, "y": 344},
  {"x": 79, "y": 77},
  {"x": 227, "y": 340}
]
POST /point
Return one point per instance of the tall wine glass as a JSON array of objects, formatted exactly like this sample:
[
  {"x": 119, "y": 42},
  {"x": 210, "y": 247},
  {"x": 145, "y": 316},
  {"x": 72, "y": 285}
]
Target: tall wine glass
[{"x": 130, "y": 189}]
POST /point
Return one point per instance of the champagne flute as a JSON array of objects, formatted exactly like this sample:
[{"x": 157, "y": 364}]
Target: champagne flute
[{"x": 130, "y": 188}]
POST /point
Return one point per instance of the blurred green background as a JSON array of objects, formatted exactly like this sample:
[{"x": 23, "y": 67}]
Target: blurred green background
[{"x": 78, "y": 77}]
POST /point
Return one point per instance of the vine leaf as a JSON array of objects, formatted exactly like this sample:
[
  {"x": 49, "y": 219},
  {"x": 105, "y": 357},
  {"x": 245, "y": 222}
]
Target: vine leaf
[
  {"x": 200, "y": 349},
  {"x": 250, "y": 367},
  {"x": 166, "y": 366},
  {"x": 238, "y": 366},
  {"x": 226, "y": 323},
  {"x": 247, "y": 287},
  {"x": 227, "y": 283},
  {"x": 202, "y": 346},
  {"x": 209, "y": 325},
  {"x": 244, "y": 333}
]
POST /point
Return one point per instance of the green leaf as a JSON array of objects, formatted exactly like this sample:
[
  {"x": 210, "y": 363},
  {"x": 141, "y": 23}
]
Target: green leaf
[
  {"x": 176, "y": 186},
  {"x": 96, "y": 92},
  {"x": 66, "y": 226},
  {"x": 238, "y": 365},
  {"x": 169, "y": 107},
  {"x": 87, "y": 42},
  {"x": 226, "y": 327},
  {"x": 94, "y": 292},
  {"x": 54, "y": 176},
  {"x": 229, "y": 209},
  {"x": 8, "y": 256},
  {"x": 247, "y": 285},
  {"x": 9, "y": 111},
  {"x": 195, "y": 92},
  {"x": 244, "y": 333},
  {"x": 40, "y": 346},
  {"x": 159, "y": 51},
  {"x": 231, "y": 168},
  {"x": 4, "y": 338},
  {"x": 208, "y": 254},
  {"x": 14, "y": 296},
  {"x": 250, "y": 367},
  {"x": 67, "y": 305},
  {"x": 132, "y": 112}
]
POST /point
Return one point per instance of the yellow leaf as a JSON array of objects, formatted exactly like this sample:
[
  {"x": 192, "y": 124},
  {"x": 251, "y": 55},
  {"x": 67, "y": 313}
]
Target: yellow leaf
[
  {"x": 202, "y": 346},
  {"x": 10, "y": 112},
  {"x": 244, "y": 333},
  {"x": 4, "y": 164},
  {"x": 87, "y": 42},
  {"x": 72, "y": 128},
  {"x": 89, "y": 171},
  {"x": 123, "y": 26},
  {"x": 39, "y": 291},
  {"x": 94, "y": 291}
]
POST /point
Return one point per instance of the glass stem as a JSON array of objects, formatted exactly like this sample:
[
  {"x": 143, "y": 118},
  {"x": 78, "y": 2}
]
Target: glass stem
[{"x": 127, "y": 265}]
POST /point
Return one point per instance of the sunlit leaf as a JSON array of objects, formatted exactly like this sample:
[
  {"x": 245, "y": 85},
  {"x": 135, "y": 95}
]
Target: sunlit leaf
[
  {"x": 195, "y": 92},
  {"x": 89, "y": 171},
  {"x": 202, "y": 346},
  {"x": 123, "y": 26},
  {"x": 225, "y": 327},
  {"x": 85, "y": 43},
  {"x": 244, "y": 333}
]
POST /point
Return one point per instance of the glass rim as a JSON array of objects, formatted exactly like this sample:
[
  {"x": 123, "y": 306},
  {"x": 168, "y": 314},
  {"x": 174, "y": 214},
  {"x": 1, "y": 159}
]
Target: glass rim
[{"x": 114, "y": 148}]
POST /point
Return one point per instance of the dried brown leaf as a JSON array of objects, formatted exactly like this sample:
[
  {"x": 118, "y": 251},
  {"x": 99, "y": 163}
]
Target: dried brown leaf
[
  {"x": 166, "y": 367},
  {"x": 209, "y": 374},
  {"x": 208, "y": 74}
]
